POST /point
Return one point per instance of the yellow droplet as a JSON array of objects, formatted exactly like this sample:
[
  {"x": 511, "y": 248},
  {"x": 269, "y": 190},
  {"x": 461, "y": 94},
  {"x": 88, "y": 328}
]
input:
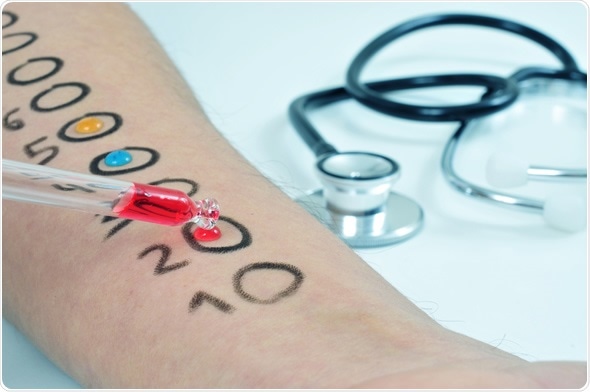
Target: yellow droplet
[{"x": 89, "y": 125}]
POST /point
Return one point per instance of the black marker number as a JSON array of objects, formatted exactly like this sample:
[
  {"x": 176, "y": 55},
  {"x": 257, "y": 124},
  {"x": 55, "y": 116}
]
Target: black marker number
[
  {"x": 161, "y": 267},
  {"x": 200, "y": 297},
  {"x": 118, "y": 227},
  {"x": 33, "y": 152},
  {"x": 14, "y": 124},
  {"x": 72, "y": 187}
]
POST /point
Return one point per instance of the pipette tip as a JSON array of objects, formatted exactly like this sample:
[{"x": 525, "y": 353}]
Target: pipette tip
[{"x": 207, "y": 213}]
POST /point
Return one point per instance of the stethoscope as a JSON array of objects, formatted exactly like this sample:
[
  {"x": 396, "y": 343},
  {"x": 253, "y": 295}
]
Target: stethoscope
[{"x": 357, "y": 202}]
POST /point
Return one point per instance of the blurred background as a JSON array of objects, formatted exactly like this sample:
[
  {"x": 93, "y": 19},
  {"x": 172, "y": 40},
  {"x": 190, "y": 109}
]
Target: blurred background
[{"x": 499, "y": 276}]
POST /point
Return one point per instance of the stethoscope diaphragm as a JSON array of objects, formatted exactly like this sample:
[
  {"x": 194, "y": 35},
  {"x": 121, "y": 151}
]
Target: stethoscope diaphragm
[{"x": 357, "y": 202}]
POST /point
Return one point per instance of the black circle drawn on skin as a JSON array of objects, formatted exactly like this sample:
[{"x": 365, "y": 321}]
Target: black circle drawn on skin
[
  {"x": 13, "y": 18},
  {"x": 116, "y": 118},
  {"x": 290, "y": 290},
  {"x": 187, "y": 233},
  {"x": 32, "y": 38},
  {"x": 84, "y": 91},
  {"x": 194, "y": 185},
  {"x": 57, "y": 65},
  {"x": 95, "y": 169}
]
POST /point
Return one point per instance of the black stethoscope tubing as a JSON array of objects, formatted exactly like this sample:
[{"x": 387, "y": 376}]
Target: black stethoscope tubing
[
  {"x": 319, "y": 146},
  {"x": 377, "y": 101},
  {"x": 501, "y": 92}
]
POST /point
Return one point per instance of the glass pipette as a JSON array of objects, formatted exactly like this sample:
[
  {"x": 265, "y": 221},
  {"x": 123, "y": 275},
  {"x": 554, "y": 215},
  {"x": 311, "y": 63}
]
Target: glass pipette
[{"x": 106, "y": 196}]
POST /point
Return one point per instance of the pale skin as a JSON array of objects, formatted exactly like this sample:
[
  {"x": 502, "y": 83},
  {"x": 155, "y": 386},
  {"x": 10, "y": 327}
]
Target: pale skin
[{"x": 99, "y": 311}]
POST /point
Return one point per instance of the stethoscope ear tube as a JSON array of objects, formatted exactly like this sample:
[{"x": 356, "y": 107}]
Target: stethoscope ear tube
[
  {"x": 365, "y": 94},
  {"x": 564, "y": 212},
  {"x": 306, "y": 130},
  {"x": 500, "y": 93},
  {"x": 476, "y": 191}
]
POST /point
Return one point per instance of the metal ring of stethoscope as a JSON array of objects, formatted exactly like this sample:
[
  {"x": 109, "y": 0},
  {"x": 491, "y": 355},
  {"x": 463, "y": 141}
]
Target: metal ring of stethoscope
[
  {"x": 368, "y": 96},
  {"x": 523, "y": 76}
]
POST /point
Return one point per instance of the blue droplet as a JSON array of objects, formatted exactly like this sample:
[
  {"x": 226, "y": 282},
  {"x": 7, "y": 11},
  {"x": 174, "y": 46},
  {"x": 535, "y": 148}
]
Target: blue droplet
[{"x": 118, "y": 158}]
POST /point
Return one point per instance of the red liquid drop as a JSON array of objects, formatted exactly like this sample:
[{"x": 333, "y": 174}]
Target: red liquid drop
[
  {"x": 207, "y": 235},
  {"x": 155, "y": 204}
]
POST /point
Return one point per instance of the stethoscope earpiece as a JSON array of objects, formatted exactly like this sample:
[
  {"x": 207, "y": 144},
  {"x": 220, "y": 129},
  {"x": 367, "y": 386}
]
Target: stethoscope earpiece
[
  {"x": 357, "y": 202},
  {"x": 560, "y": 210}
]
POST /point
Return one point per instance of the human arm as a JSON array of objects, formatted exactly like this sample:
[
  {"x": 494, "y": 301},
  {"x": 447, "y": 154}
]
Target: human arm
[{"x": 132, "y": 327}]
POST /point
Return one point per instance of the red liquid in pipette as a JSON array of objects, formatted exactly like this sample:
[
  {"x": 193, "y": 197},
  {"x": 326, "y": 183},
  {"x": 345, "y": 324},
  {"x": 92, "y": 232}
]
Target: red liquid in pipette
[{"x": 155, "y": 204}]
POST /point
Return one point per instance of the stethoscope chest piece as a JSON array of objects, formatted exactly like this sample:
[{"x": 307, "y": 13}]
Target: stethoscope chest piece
[{"x": 357, "y": 203}]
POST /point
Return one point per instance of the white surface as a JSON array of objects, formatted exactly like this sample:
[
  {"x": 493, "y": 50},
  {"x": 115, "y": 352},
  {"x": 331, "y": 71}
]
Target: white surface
[{"x": 501, "y": 277}]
